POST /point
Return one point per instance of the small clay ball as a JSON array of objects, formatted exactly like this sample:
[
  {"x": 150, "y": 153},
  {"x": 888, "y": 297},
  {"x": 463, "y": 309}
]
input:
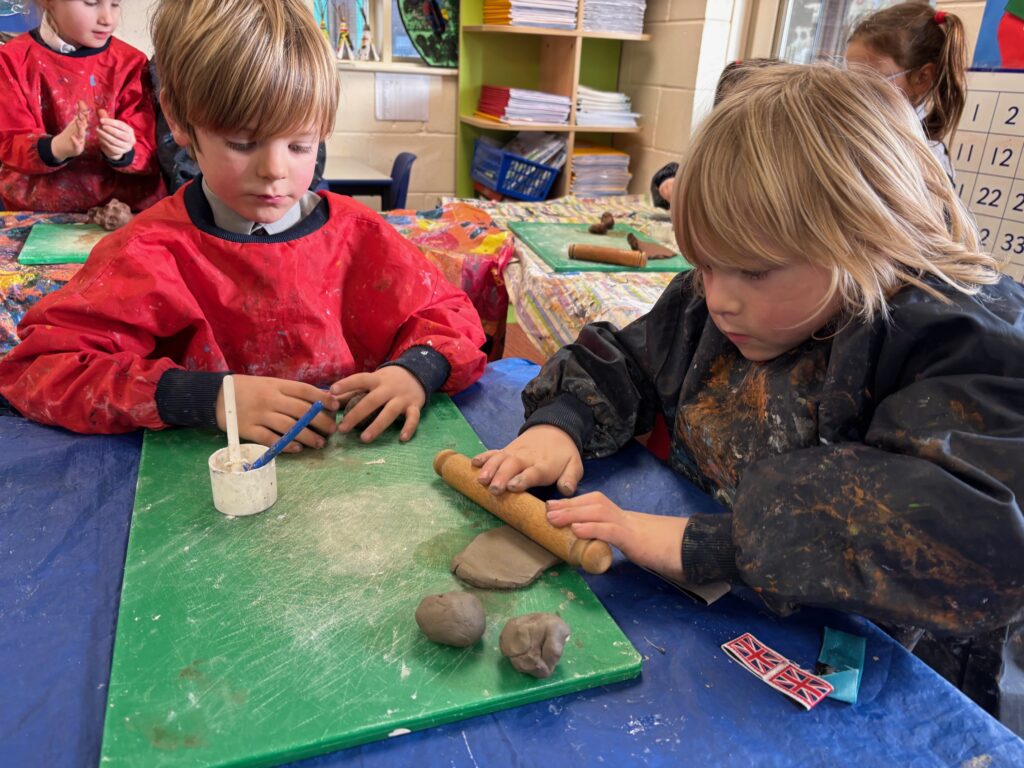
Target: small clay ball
[
  {"x": 454, "y": 618},
  {"x": 534, "y": 642}
]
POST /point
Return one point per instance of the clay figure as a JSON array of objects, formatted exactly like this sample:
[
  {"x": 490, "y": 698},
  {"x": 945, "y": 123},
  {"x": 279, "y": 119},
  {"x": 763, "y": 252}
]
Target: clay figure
[
  {"x": 110, "y": 216},
  {"x": 502, "y": 558},
  {"x": 534, "y": 642},
  {"x": 453, "y": 618},
  {"x": 601, "y": 228}
]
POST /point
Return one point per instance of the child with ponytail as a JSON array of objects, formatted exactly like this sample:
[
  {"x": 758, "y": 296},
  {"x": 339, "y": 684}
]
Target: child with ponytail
[{"x": 923, "y": 52}]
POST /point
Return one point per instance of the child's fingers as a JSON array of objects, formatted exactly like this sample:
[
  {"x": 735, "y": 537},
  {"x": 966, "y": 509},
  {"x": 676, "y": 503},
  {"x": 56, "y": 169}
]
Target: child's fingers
[
  {"x": 412, "y": 421},
  {"x": 607, "y": 532},
  {"x": 490, "y": 466},
  {"x": 530, "y": 477},
  {"x": 570, "y": 477},
  {"x": 511, "y": 467},
  {"x": 351, "y": 384},
  {"x": 385, "y": 419},
  {"x": 481, "y": 458},
  {"x": 366, "y": 407},
  {"x": 280, "y": 423}
]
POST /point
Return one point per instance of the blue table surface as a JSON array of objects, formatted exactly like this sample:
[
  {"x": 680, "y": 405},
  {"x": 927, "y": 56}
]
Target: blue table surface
[{"x": 64, "y": 520}]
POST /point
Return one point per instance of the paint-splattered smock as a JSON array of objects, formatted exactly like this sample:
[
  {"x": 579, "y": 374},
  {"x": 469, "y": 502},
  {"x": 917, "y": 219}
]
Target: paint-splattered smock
[
  {"x": 880, "y": 472},
  {"x": 39, "y": 93},
  {"x": 144, "y": 333}
]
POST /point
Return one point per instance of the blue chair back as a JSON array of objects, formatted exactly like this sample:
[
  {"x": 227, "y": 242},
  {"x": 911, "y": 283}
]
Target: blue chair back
[{"x": 401, "y": 170}]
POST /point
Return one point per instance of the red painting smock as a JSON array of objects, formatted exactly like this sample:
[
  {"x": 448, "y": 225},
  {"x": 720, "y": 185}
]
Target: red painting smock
[
  {"x": 39, "y": 93},
  {"x": 340, "y": 293}
]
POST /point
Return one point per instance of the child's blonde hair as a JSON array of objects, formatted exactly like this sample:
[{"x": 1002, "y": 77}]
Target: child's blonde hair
[
  {"x": 257, "y": 65},
  {"x": 830, "y": 166}
]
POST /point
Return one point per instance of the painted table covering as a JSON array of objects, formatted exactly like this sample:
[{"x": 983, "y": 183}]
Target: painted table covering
[
  {"x": 552, "y": 307},
  {"x": 64, "y": 525}
]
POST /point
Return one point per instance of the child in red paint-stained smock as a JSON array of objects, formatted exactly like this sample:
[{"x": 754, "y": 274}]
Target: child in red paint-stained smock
[
  {"x": 77, "y": 115},
  {"x": 244, "y": 269}
]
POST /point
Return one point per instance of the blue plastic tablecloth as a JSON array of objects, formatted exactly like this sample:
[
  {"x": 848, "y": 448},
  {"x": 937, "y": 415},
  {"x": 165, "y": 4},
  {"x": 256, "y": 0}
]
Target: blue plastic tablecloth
[{"x": 64, "y": 520}]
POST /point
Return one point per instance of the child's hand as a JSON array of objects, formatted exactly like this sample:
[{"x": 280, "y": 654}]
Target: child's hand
[
  {"x": 666, "y": 187},
  {"x": 116, "y": 137},
  {"x": 268, "y": 407},
  {"x": 392, "y": 390},
  {"x": 650, "y": 541},
  {"x": 542, "y": 455},
  {"x": 71, "y": 141}
]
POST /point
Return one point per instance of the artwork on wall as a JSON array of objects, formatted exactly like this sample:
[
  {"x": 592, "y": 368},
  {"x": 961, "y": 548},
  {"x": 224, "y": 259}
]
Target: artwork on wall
[
  {"x": 1001, "y": 38},
  {"x": 433, "y": 28}
]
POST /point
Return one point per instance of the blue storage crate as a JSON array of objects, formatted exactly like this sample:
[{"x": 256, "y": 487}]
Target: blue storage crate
[{"x": 509, "y": 174}]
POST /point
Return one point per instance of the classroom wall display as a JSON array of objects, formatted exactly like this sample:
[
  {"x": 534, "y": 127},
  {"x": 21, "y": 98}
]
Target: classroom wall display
[
  {"x": 1000, "y": 42},
  {"x": 17, "y": 17},
  {"x": 987, "y": 159}
]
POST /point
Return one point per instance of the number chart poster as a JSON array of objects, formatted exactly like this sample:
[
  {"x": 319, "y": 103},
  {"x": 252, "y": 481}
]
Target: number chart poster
[{"x": 987, "y": 160}]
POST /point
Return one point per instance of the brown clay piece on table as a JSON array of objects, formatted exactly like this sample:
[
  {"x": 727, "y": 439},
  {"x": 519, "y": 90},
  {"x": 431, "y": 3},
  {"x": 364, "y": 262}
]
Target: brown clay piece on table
[
  {"x": 111, "y": 216},
  {"x": 601, "y": 228},
  {"x": 534, "y": 643},
  {"x": 502, "y": 558},
  {"x": 453, "y": 618}
]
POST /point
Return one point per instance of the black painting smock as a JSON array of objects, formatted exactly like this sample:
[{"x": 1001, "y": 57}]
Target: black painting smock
[{"x": 879, "y": 471}]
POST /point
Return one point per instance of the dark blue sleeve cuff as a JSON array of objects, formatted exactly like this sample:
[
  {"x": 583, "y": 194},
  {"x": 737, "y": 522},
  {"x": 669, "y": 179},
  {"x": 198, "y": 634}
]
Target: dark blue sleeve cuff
[
  {"x": 189, "y": 398},
  {"x": 126, "y": 159},
  {"x": 45, "y": 149},
  {"x": 429, "y": 366},
  {"x": 708, "y": 552},
  {"x": 569, "y": 414}
]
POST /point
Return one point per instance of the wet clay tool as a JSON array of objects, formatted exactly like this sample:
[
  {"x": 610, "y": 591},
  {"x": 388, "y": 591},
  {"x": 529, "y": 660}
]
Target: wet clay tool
[{"x": 524, "y": 512}]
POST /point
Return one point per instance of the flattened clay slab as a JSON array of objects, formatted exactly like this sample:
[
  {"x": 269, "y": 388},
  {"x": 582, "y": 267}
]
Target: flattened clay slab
[{"x": 502, "y": 558}]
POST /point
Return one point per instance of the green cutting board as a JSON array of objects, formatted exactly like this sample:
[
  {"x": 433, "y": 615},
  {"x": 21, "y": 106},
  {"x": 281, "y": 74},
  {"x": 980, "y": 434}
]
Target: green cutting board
[
  {"x": 60, "y": 243},
  {"x": 259, "y": 640},
  {"x": 551, "y": 242}
]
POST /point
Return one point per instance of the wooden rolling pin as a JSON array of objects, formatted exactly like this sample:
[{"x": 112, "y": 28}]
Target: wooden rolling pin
[
  {"x": 524, "y": 512},
  {"x": 584, "y": 252}
]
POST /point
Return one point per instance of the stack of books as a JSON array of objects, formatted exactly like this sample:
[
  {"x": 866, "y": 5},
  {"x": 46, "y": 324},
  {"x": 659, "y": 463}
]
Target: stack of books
[
  {"x": 555, "y": 14},
  {"x": 518, "y": 105},
  {"x": 624, "y": 16},
  {"x": 604, "y": 108},
  {"x": 599, "y": 171},
  {"x": 544, "y": 148}
]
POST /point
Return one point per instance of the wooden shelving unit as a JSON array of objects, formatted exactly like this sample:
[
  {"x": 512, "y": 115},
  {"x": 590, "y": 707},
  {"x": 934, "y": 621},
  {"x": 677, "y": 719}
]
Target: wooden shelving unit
[{"x": 551, "y": 60}]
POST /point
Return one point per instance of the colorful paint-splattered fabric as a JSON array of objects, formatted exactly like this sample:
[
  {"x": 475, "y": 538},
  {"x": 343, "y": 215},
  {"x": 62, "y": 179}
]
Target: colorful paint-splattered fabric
[
  {"x": 471, "y": 251},
  {"x": 22, "y": 286},
  {"x": 553, "y": 307}
]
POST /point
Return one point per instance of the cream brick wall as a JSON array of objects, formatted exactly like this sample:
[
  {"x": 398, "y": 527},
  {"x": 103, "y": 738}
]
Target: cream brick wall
[{"x": 357, "y": 133}]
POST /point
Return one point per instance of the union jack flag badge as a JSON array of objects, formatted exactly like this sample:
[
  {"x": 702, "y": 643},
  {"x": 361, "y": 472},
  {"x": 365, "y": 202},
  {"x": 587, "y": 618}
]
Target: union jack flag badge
[
  {"x": 754, "y": 656},
  {"x": 802, "y": 687}
]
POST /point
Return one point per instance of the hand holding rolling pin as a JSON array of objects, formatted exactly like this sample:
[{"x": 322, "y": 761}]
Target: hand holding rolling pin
[{"x": 544, "y": 455}]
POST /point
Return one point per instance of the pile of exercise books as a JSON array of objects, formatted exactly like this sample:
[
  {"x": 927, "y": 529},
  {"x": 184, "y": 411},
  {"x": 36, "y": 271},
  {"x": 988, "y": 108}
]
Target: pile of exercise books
[
  {"x": 540, "y": 147},
  {"x": 555, "y": 14},
  {"x": 624, "y": 16},
  {"x": 599, "y": 171},
  {"x": 604, "y": 108},
  {"x": 518, "y": 105}
]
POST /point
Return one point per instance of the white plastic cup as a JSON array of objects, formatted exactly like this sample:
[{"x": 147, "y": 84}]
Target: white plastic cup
[{"x": 237, "y": 492}]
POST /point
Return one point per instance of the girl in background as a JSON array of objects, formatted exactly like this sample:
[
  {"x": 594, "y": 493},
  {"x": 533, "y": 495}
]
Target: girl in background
[{"x": 923, "y": 52}]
